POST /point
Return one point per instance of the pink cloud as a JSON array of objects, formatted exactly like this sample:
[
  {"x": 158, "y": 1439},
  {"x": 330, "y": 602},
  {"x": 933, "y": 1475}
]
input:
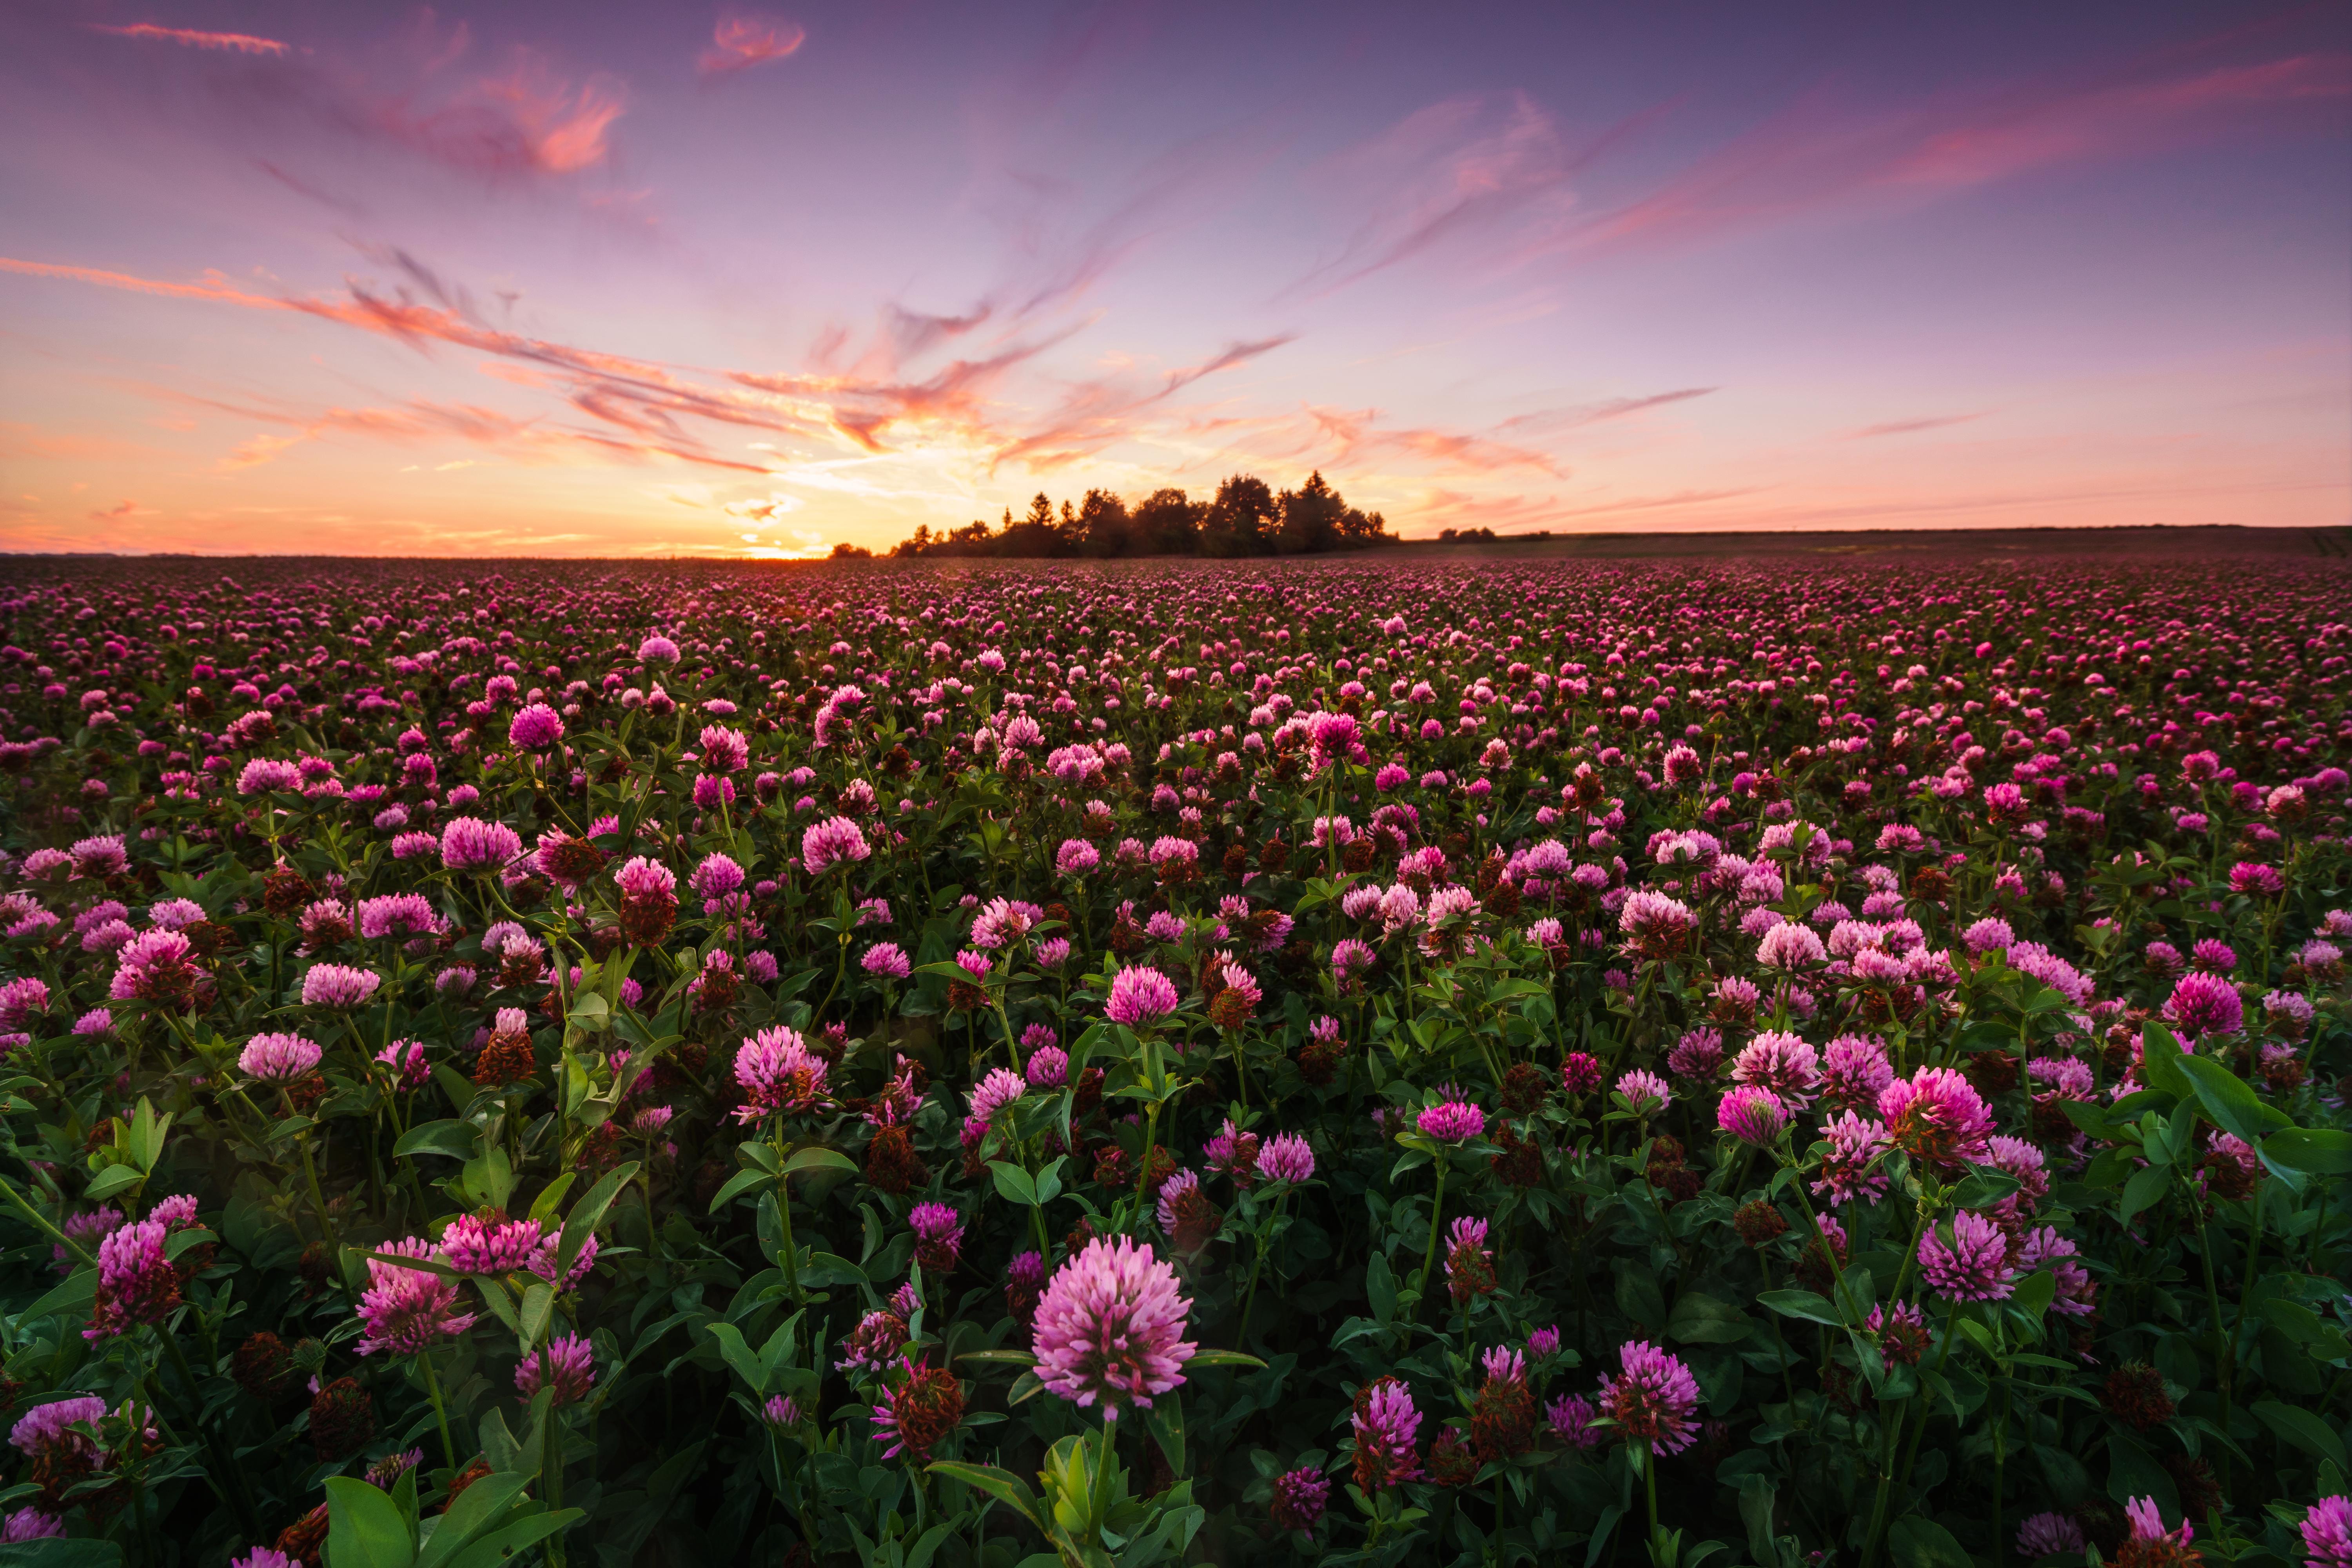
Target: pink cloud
[
  {"x": 1911, "y": 426},
  {"x": 525, "y": 122},
  {"x": 1813, "y": 159},
  {"x": 235, "y": 43},
  {"x": 742, "y": 39}
]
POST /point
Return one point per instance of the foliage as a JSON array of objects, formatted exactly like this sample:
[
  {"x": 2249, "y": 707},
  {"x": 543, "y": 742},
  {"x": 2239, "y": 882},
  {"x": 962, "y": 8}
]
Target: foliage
[{"x": 1753, "y": 1064}]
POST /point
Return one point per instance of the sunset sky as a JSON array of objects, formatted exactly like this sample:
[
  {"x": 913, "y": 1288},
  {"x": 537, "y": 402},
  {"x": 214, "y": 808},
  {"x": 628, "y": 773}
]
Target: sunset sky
[{"x": 531, "y": 279}]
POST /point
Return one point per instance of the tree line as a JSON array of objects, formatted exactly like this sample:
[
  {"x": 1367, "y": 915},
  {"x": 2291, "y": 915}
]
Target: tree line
[{"x": 1246, "y": 517}]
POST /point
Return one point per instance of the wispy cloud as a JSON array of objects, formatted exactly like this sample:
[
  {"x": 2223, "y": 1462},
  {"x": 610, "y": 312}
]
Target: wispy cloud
[
  {"x": 1472, "y": 166},
  {"x": 234, "y": 43},
  {"x": 1817, "y": 158},
  {"x": 742, "y": 38},
  {"x": 1556, "y": 420},
  {"x": 1912, "y": 426}
]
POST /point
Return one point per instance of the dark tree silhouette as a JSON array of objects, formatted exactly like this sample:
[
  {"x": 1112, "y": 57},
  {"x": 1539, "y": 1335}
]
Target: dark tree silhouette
[{"x": 1246, "y": 518}]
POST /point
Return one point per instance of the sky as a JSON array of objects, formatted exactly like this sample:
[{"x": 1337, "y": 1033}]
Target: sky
[{"x": 644, "y": 280}]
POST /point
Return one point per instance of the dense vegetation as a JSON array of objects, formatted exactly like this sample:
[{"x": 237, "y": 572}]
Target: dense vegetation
[
  {"x": 1338, "y": 1062},
  {"x": 1244, "y": 517}
]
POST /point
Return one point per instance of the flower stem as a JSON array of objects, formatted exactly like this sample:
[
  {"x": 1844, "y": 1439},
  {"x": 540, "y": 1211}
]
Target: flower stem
[
  {"x": 440, "y": 1413},
  {"x": 1101, "y": 1508},
  {"x": 1429, "y": 1255}
]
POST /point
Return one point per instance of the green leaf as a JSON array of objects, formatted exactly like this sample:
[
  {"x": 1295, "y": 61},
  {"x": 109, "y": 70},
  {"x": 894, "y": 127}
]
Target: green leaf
[
  {"x": 736, "y": 1185},
  {"x": 1639, "y": 1298},
  {"x": 1702, "y": 1319},
  {"x": 1223, "y": 1358},
  {"x": 2034, "y": 1295},
  {"x": 481, "y": 1504},
  {"x": 2318, "y": 1150},
  {"x": 113, "y": 1180},
  {"x": 505, "y": 1545},
  {"x": 421, "y": 1265},
  {"x": 537, "y": 1307},
  {"x": 146, "y": 1141},
  {"x": 999, "y": 1358},
  {"x": 588, "y": 1214},
  {"x": 61, "y": 1551},
  {"x": 815, "y": 1157},
  {"x": 1916, "y": 1542},
  {"x": 1804, "y": 1304},
  {"x": 746, "y": 1363},
  {"x": 2160, "y": 1061},
  {"x": 2142, "y": 1190},
  {"x": 79, "y": 1290},
  {"x": 2306, "y": 1431},
  {"x": 543, "y": 1208},
  {"x": 1002, "y": 1484},
  {"x": 1165, "y": 1421},
  {"x": 364, "y": 1529},
  {"x": 2229, "y": 1101},
  {"x": 2088, "y": 1117},
  {"x": 1013, "y": 1184},
  {"x": 1379, "y": 1284},
  {"x": 1982, "y": 1187},
  {"x": 829, "y": 1269}
]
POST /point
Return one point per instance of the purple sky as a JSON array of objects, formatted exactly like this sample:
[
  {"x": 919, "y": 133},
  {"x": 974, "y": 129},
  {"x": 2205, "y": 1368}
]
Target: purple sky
[{"x": 539, "y": 278}]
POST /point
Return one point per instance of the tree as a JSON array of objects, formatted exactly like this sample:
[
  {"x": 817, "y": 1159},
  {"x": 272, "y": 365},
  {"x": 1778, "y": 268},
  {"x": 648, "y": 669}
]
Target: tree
[
  {"x": 1246, "y": 518},
  {"x": 1239, "y": 522},
  {"x": 1166, "y": 524},
  {"x": 1310, "y": 517},
  {"x": 1103, "y": 526}
]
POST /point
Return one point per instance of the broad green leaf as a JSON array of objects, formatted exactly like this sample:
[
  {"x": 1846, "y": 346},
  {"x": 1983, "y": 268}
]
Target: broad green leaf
[
  {"x": 505, "y": 1544},
  {"x": 1379, "y": 1284},
  {"x": 61, "y": 1551},
  {"x": 1013, "y": 1184},
  {"x": 816, "y": 1157},
  {"x": 113, "y": 1180},
  {"x": 1702, "y": 1319},
  {"x": 456, "y": 1138},
  {"x": 1804, "y": 1304},
  {"x": 1165, "y": 1421},
  {"x": 2228, "y": 1100},
  {"x": 588, "y": 1214},
  {"x": 2142, "y": 1192},
  {"x": 364, "y": 1529},
  {"x": 2320, "y": 1151},
  {"x": 76, "y": 1294},
  {"x": 1001, "y": 1485},
  {"x": 2160, "y": 1061},
  {"x": 746, "y": 1363},
  {"x": 543, "y": 1208},
  {"x": 1916, "y": 1542},
  {"x": 538, "y": 1309},
  {"x": 481, "y": 1504},
  {"x": 1982, "y": 1187},
  {"x": 736, "y": 1185},
  {"x": 2294, "y": 1424}
]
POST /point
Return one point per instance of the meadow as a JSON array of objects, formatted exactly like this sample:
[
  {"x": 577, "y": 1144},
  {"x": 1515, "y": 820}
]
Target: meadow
[{"x": 1467, "y": 1058}]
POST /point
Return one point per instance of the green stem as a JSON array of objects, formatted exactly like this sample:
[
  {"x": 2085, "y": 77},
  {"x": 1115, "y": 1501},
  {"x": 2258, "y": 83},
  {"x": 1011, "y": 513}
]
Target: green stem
[
  {"x": 1101, "y": 1508},
  {"x": 789, "y": 1258},
  {"x": 1257, "y": 1263},
  {"x": 74, "y": 1247},
  {"x": 2225, "y": 1346},
  {"x": 551, "y": 1461},
  {"x": 234, "y": 1493},
  {"x": 440, "y": 1413},
  {"x": 1878, "y": 1518},
  {"x": 1429, "y": 1254},
  {"x": 1151, "y": 1141}
]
